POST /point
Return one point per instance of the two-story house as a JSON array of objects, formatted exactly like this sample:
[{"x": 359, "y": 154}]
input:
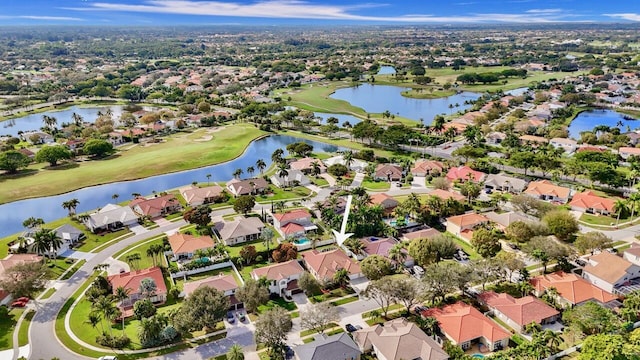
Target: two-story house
[
  {"x": 283, "y": 277},
  {"x": 293, "y": 223}
]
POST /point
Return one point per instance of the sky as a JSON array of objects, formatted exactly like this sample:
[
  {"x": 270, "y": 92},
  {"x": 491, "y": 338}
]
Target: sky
[{"x": 177, "y": 12}]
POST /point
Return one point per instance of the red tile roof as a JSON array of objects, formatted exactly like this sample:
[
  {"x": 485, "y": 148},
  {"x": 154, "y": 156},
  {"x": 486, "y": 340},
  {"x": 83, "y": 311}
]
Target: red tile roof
[
  {"x": 154, "y": 205},
  {"x": 327, "y": 263},
  {"x": 444, "y": 195},
  {"x": 292, "y": 228},
  {"x": 463, "y": 173},
  {"x": 589, "y": 200},
  {"x": 131, "y": 280},
  {"x": 522, "y": 311},
  {"x": 292, "y": 215},
  {"x": 185, "y": 243},
  {"x": 462, "y": 322},
  {"x": 546, "y": 187},
  {"x": 571, "y": 287}
]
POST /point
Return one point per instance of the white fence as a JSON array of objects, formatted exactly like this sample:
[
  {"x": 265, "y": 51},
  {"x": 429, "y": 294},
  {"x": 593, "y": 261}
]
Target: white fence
[{"x": 201, "y": 270}]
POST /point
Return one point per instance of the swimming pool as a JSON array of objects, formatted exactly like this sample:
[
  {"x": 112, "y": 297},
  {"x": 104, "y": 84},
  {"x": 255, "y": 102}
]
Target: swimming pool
[
  {"x": 477, "y": 356},
  {"x": 301, "y": 241}
]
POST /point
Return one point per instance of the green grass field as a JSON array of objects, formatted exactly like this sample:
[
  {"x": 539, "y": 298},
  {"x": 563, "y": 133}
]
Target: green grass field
[
  {"x": 23, "y": 332},
  {"x": 7, "y": 326},
  {"x": 376, "y": 185},
  {"x": 162, "y": 158}
]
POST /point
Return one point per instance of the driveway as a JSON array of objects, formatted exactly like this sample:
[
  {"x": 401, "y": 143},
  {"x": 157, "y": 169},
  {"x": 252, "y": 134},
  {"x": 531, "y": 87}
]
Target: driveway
[
  {"x": 301, "y": 299},
  {"x": 115, "y": 266},
  {"x": 80, "y": 255},
  {"x": 138, "y": 229}
]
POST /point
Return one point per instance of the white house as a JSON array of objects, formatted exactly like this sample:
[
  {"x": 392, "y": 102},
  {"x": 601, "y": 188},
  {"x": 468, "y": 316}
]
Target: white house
[
  {"x": 609, "y": 271},
  {"x": 283, "y": 277},
  {"x": 294, "y": 177},
  {"x": 568, "y": 145},
  {"x": 111, "y": 218}
]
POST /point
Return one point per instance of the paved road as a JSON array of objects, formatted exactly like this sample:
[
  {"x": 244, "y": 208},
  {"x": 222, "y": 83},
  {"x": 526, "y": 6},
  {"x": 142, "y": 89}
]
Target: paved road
[{"x": 42, "y": 335}]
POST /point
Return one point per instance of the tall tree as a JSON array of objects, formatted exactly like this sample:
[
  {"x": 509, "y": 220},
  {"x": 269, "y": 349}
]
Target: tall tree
[
  {"x": 318, "y": 316},
  {"x": 12, "y": 160},
  {"x": 252, "y": 294},
  {"x": 271, "y": 329},
  {"x": 203, "y": 308}
]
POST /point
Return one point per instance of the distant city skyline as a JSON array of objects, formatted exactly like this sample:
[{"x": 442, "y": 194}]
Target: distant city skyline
[{"x": 176, "y": 12}]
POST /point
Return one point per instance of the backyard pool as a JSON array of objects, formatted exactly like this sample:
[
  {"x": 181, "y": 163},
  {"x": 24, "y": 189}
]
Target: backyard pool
[
  {"x": 477, "y": 356},
  {"x": 301, "y": 241}
]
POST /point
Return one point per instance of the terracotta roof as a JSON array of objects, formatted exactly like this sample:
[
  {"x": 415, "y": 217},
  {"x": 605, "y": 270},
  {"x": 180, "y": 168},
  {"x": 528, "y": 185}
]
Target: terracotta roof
[
  {"x": 425, "y": 233},
  {"x": 470, "y": 219},
  {"x": 131, "y": 280},
  {"x": 196, "y": 194},
  {"x": 292, "y": 228},
  {"x": 153, "y": 205},
  {"x": 608, "y": 267},
  {"x": 571, "y": 287},
  {"x": 221, "y": 282},
  {"x": 278, "y": 271},
  {"x": 327, "y": 263},
  {"x": 306, "y": 163},
  {"x": 463, "y": 173},
  {"x": 399, "y": 339},
  {"x": 384, "y": 200},
  {"x": 427, "y": 166},
  {"x": 444, "y": 195},
  {"x": 462, "y": 322},
  {"x": 546, "y": 187},
  {"x": 629, "y": 150},
  {"x": 185, "y": 243},
  {"x": 522, "y": 311},
  {"x": 292, "y": 215},
  {"x": 12, "y": 260},
  {"x": 383, "y": 170},
  {"x": 378, "y": 246},
  {"x": 589, "y": 199}
]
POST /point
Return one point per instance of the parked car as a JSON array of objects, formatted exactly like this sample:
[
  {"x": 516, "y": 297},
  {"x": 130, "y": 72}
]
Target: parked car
[
  {"x": 230, "y": 318},
  {"x": 418, "y": 270},
  {"x": 350, "y": 328},
  {"x": 241, "y": 317},
  {"x": 288, "y": 352},
  {"x": 23, "y": 299},
  {"x": 18, "y": 303},
  {"x": 513, "y": 246},
  {"x": 613, "y": 250},
  {"x": 420, "y": 308},
  {"x": 108, "y": 357},
  {"x": 581, "y": 262}
]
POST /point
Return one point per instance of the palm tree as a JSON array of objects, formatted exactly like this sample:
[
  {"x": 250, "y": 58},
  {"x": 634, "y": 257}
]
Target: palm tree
[
  {"x": 276, "y": 157},
  {"x": 347, "y": 156},
  {"x": 250, "y": 171},
  {"x": 341, "y": 277},
  {"x": 237, "y": 173},
  {"x": 77, "y": 119},
  {"x": 267, "y": 235},
  {"x": 428, "y": 324},
  {"x": 71, "y": 206},
  {"x": 397, "y": 253},
  {"x": 633, "y": 202},
  {"x": 315, "y": 168},
  {"x": 94, "y": 319},
  {"x": 354, "y": 245},
  {"x": 105, "y": 307},
  {"x": 283, "y": 173},
  {"x": 122, "y": 294},
  {"x": 49, "y": 121},
  {"x": 261, "y": 165},
  {"x": 208, "y": 179},
  {"x": 235, "y": 353},
  {"x": 620, "y": 206},
  {"x": 133, "y": 259},
  {"x": 46, "y": 241}
]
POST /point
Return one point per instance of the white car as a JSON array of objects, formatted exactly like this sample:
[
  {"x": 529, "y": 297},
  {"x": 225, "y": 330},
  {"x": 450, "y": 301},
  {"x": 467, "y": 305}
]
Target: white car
[
  {"x": 418, "y": 270},
  {"x": 108, "y": 357}
]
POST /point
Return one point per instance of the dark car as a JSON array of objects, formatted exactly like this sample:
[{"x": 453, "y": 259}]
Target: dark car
[
  {"x": 230, "y": 318},
  {"x": 23, "y": 299},
  {"x": 288, "y": 352},
  {"x": 350, "y": 328},
  {"x": 581, "y": 262},
  {"x": 513, "y": 246}
]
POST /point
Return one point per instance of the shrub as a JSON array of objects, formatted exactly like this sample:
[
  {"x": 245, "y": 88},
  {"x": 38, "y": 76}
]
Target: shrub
[
  {"x": 117, "y": 342},
  {"x": 144, "y": 309},
  {"x": 169, "y": 333}
]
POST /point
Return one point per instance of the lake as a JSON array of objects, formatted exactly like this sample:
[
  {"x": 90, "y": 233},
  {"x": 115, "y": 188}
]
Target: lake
[
  {"x": 34, "y": 121},
  {"x": 587, "y": 120},
  {"x": 342, "y": 117},
  {"x": 50, "y": 208},
  {"x": 379, "y": 98},
  {"x": 386, "y": 70}
]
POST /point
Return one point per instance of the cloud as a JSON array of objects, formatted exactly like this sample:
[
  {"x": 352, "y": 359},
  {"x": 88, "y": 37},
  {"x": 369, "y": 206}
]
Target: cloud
[
  {"x": 37, "y": 17},
  {"x": 298, "y": 9},
  {"x": 625, "y": 16},
  {"x": 544, "y": 11}
]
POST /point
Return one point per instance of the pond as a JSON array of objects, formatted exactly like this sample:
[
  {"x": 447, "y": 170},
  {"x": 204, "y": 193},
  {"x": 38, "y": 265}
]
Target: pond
[
  {"x": 380, "y": 98},
  {"x": 386, "y": 70},
  {"x": 341, "y": 117},
  {"x": 34, "y": 121},
  {"x": 587, "y": 120},
  {"x": 50, "y": 208}
]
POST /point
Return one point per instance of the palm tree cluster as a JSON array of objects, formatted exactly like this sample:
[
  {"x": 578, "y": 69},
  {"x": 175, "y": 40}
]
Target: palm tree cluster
[{"x": 47, "y": 242}]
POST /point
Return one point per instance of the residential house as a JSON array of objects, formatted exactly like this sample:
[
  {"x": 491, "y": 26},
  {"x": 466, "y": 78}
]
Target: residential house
[
  {"x": 495, "y": 138},
  {"x": 335, "y": 347},
  {"x": 115, "y": 138},
  {"x": 462, "y": 225},
  {"x": 632, "y": 254},
  {"x": 572, "y": 289},
  {"x": 504, "y": 183},
  {"x": 548, "y": 191},
  {"x": 306, "y": 165},
  {"x": 517, "y": 313},
  {"x": 465, "y": 173},
  {"x": 503, "y": 220},
  {"x": 111, "y": 218},
  {"x": 627, "y": 152},
  {"x": 74, "y": 145},
  {"x": 428, "y": 167},
  {"x": 10, "y": 261},
  {"x": 465, "y": 326},
  {"x": 568, "y": 145},
  {"x": 420, "y": 234},
  {"x": 590, "y": 203},
  {"x": 634, "y": 138},
  {"x": 37, "y": 137},
  {"x": 609, "y": 271},
  {"x": 131, "y": 281},
  {"x": 69, "y": 234},
  {"x": 239, "y": 230},
  {"x": 293, "y": 178},
  {"x": 355, "y": 165},
  {"x": 224, "y": 283},
  {"x": 247, "y": 187},
  {"x": 195, "y": 196},
  {"x": 399, "y": 339},
  {"x": 381, "y": 246},
  {"x": 533, "y": 140},
  {"x": 386, "y": 202},
  {"x": 283, "y": 277},
  {"x": 156, "y": 206},
  {"x": 324, "y": 265},
  {"x": 293, "y": 223},
  {"x": 444, "y": 195},
  {"x": 388, "y": 172},
  {"x": 26, "y": 152},
  {"x": 184, "y": 246}
]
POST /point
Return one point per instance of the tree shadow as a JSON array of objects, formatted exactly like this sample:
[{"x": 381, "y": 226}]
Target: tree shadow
[
  {"x": 18, "y": 175},
  {"x": 64, "y": 166}
]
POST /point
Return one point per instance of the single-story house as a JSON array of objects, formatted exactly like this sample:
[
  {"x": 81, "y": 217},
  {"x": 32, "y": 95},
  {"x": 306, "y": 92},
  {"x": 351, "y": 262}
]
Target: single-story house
[
  {"x": 386, "y": 202},
  {"x": 444, "y": 195},
  {"x": 10, "y": 261},
  {"x": 465, "y": 326},
  {"x": 533, "y": 140},
  {"x": 627, "y": 152},
  {"x": 131, "y": 281},
  {"x": 324, "y": 265},
  {"x": 224, "y": 283},
  {"x": 399, "y": 339},
  {"x": 111, "y": 218},
  {"x": 591, "y": 203},
  {"x": 37, "y": 137},
  {"x": 518, "y": 313},
  {"x": 548, "y": 191},
  {"x": 495, "y": 137},
  {"x": 381, "y": 246},
  {"x": 427, "y": 167},
  {"x": 609, "y": 271},
  {"x": 294, "y": 177},
  {"x": 306, "y": 165},
  {"x": 239, "y": 230},
  {"x": 283, "y": 277},
  {"x": 568, "y": 145},
  {"x": 195, "y": 195},
  {"x": 355, "y": 165},
  {"x": 503, "y": 220},
  {"x": 335, "y": 347},
  {"x": 465, "y": 173},
  {"x": 460, "y": 224},
  {"x": 156, "y": 206},
  {"x": 69, "y": 234},
  {"x": 501, "y": 182},
  {"x": 388, "y": 172},
  {"x": 571, "y": 288},
  {"x": 184, "y": 246},
  {"x": 293, "y": 223},
  {"x": 247, "y": 187},
  {"x": 420, "y": 234}
]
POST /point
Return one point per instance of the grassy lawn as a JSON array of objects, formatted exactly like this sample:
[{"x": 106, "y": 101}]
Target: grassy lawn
[
  {"x": 342, "y": 142},
  {"x": 289, "y": 306},
  {"x": 226, "y": 271},
  {"x": 141, "y": 248},
  {"x": 393, "y": 307},
  {"x": 276, "y": 193},
  {"x": 318, "y": 181},
  {"x": 245, "y": 271},
  {"x": 376, "y": 185},
  {"x": 47, "y": 294},
  {"x": 308, "y": 332},
  {"x": 345, "y": 300},
  {"x": 7, "y": 326},
  {"x": 23, "y": 332},
  {"x": 125, "y": 165},
  {"x": 333, "y": 294},
  {"x": 58, "y": 266},
  {"x": 77, "y": 266},
  {"x": 473, "y": 255},
  {"x": 94, "y": 242},
  {"x": 599, "y": 220}
]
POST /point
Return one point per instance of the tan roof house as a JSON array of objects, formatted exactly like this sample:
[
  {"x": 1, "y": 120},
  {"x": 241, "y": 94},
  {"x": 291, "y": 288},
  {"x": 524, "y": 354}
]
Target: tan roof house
[
  {"x": 461, "y": 225},
  {"x": 501, "y": 182},
  {"x": 184, "y": 246},
  {"x": 156, "y": 206},
  {"x": 568, "y": 145},
  {"x": 572, "y": 289},
  {"x": 419, "y": 234},
  {"x": 306, "y": 165},
  {"x": 293, "y": 223},
  {"x": 627, "y": 152},
  {"x": 388, "y": 203},
  {"x": 283, "y": 277},
  {"x": 445, "y": 195},
  {"x": 247, "y": 187},
  {"x": 195, "y": 195},
  {"x": 548, "y": 191},
  {"x": 399, "y": 339},
  {"x": 388, "y": 172},
  {"x": 609, "y": 271},
  {"x": 324, "y": 265},
  {"x": 240, "y": 230},
  {"x": 224, "y": 283},
  {"x": 427, "y": 167},
  {"x": 517, "y": 313}
]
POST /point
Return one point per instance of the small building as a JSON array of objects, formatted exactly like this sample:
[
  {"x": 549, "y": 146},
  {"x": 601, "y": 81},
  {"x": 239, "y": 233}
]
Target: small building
[
  {"x": 69, "y": 234},
  {"x": 381, "y": 246},
  {"x": 283, "y": 277},
  {"x": 324, "y": 265},
  {"x": 247, "y": 187},
  {"x": 306, "y": 165},
  {"x": 239, "y": 230},
  {"x": 495, "y": 138},
  {"x": 293, "y": 178},
  {"x": 195, "y": 196},
  {"x": 399, "y": 339},
  {"x": 568, "y": 145},
  {"x": 428, "y": 167},
  {"x": 388, "y": 172},
  {"x": 503, "y": 220},
  {"x": 548, "y": 191},
  {"x": 460, "y": 224},
  {"x": 156, "y": 206},
  {"x": 335, "y": 347},
  {"x": 131, "y": 281},
  {"x": 609, "y": 271},
  {"x": 504, "y": 183},
  {"x": 627, "y": 152},
  {"x": 465, "y": 326},
  {"x": 465, "y": 173},
  {"x": 590, "y": 203},
  {"x": 224, "y": 283},
  {"x": 184, "y": 246},
  {"x": 293, "y": 223},
  {"x": 518, "y": 313},
  {"x": 386, "y": 202},
  {"x": 445, "y": 195},
  {"x": 355, "y": 165},
  {"x": 572, "y": 289},
  {"x": 632, "y": 254},
  {"x": 111, "y": 218}
]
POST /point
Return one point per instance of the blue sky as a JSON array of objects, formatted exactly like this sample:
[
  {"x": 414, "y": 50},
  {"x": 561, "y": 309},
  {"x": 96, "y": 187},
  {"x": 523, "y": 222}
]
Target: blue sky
[{"x": 161, "y": 12}]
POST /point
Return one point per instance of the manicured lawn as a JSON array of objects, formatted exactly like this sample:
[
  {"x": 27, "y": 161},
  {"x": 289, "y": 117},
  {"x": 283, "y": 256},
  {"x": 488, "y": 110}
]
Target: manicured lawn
[
  {"x": 77, "y": 266},
  {"x": 376, "y": 185},
  {"x": 345, "y": 300},
  {"x": 7, "y": 326},
  {"x": 341, "y": 142},
  {"x": 47, "y": 294},
  {"x": 473, "y": 255},
  {"x": 336, "y": 293},
  {"x": 308, "y": 332},
  {"x": 393, "y": 307},
  {"x": 289, "y": 306},
  {"x": 226, "y": 271},
  {"x": 23, "y": 332},
  {"x": 600, "y": 220},
  {"x": 58, "y": 266},
  {"x": 318, "y": 181},
  {"x": 161, "y": 158},
  {"x": 276, "y": 194},
  {"x": 145, "y": 261}
]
